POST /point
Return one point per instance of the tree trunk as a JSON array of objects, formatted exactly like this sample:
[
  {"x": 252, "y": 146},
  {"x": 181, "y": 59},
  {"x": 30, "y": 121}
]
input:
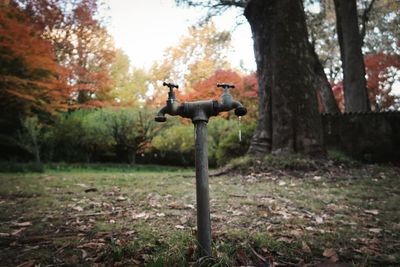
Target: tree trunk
[
  {"x": 289, "y": 120},
  {"x": 354, "y": 83},
  {"x": 323, "y": 85}
]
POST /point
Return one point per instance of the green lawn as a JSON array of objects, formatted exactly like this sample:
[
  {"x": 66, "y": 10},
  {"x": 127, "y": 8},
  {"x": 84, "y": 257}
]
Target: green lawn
[{"x": 146, "y": 216}]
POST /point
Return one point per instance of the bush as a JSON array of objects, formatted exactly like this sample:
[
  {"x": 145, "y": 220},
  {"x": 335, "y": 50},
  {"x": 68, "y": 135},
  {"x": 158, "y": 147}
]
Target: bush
[{"x": 230, "y": 147}]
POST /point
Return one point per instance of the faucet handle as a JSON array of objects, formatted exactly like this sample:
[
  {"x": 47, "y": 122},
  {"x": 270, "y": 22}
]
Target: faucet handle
[
  {"x": 225, "y": 85},
  {"x": 171, "y": 86}
]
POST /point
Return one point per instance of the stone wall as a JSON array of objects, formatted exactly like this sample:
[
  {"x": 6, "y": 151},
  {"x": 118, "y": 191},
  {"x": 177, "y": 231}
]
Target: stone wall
[{"x": 371, "y": 137}]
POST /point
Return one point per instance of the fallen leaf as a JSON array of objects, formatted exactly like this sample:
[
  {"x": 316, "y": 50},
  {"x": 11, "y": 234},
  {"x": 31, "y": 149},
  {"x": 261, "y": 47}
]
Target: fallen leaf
[
  {"x": 161, "y": 214},
  {"x": 179, "y": 227},
  {"x": 317, "y": 178},
  {"x": 22, "y": 224},
  {"x": 319, "y": 219},
  {"x": 17, "y": 232},
  {"x": 373, "y": 212},
  {"x": 92, "y": 245},
  {"x": 140, "y": 215},
  {"x": 121, "y": 198},
  {"x": 282, "y": 183},
  {"x": 84, "y": 254},
  {"x": 305, "y": 248},
  {"x": 331, "y": 254},
  {"x": 77, "y": 208},
  {"x": 4, "y": 234},
  {"x": 29, "y": 263},
  {"x": 375, "y": 230}
]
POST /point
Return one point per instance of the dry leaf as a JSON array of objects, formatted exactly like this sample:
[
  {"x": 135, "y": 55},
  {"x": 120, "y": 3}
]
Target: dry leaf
[
  {"x": 317, "y": 178},
  {"x": 29, "y": 263},
  {"x": 331, "y": 254},
  {"x": 4, "y": 234},
  {"x": 305, "y": 248},
  {"x": 121, "y": 198},
  {"x": 17, "y": 232},
  {"x": 22, "y": 224},
  {"x": 77, "y": 208},
  {"x": 179, "y": 227},
  {"x": 282, "y": 183},
  {"x": 84, "y": 254},
  {"x": 373, "y": 212},
  {"x": 161, "y": 214},
  {"x": 319, "y": 220},
  {"x": 375, "y": 230},
  {"x": 92, "y": 245},
  {"x": 140, "y": 215}
]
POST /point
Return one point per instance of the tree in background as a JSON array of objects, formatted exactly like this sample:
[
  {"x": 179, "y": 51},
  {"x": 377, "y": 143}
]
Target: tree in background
[
  {"x": 378, "y": 26},
  {"x": 30, "y": 137},
  {"x": 129, "y": 131},
  {"x": 350, "y": 42},
  {"x": 198, "y": 54},
  {"x": 288, "y": 119},
  {"x": 129, "y": 86},
  {"x": 31, "y": 81},
  {"x": 246, "y": 89},
  {"x": 82, "y": 45}
]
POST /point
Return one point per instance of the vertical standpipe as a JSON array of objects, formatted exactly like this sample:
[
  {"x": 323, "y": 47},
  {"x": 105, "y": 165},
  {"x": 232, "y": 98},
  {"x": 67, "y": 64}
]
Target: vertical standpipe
[{"x": 202, "y": 189}]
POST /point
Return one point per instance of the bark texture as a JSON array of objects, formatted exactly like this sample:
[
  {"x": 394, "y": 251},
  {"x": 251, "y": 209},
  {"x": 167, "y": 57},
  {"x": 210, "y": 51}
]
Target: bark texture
[
  {"x": 323, "y": 85},
  {"x": 289, "y": 121},
  {"x": 354, "y": 83}
]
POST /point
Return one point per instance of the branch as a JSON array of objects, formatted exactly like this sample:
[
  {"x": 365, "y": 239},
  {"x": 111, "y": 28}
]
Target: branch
[{"x": 364, "y": 20}]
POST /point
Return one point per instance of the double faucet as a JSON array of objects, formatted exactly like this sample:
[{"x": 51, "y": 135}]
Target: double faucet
[{"x": 199, "y": 110}]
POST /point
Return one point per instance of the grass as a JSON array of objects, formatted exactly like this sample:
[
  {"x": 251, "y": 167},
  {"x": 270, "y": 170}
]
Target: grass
[{"x": 289, "y": 212}]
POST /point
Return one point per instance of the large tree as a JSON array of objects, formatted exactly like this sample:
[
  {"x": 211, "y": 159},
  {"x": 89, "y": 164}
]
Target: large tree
[
  {"x": 355, "y": 85},
  {"x": 288, "y": 121},
  {"x": 81, "y": 42}
]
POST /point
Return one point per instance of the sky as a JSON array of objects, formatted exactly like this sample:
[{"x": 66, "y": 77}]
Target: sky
[{"x": 145, "y": 28}]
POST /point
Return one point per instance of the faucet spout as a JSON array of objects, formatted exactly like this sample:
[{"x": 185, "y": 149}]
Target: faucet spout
[
  {"x": 160, "y": 117},
  {"x": 228, "y": 103}
]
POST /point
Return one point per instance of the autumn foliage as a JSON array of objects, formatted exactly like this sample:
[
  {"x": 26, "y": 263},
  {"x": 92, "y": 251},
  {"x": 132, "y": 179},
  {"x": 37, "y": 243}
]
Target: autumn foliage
[
  {"x": 381, "y": 70},
  {"x": 30, "y": 77},
  {"x": 246, "y": 88}
]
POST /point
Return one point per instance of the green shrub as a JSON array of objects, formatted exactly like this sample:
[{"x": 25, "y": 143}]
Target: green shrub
[{"x": 230, "y": 147}]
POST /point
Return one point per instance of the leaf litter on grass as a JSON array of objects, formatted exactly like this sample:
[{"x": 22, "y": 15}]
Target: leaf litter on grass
[{"x": 280, "y": 217}]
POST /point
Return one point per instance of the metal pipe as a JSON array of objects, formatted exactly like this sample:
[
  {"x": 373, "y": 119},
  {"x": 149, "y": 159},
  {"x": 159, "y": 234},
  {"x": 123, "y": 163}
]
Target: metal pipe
[
  {"x": 202, "y": 191},
  {"x": 200, "y": 112}
]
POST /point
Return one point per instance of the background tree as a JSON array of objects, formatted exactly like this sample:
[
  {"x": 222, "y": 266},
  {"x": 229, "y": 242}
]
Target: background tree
[
  {"x": 198, "y": 54},
  {"x": 30, "y": 137},
  {"x": 355, "y": 87},
  {"x": 246, "y": 89},
  {"x": 288, "y": 117},
  {"x": 31, "y": 81},
  {"x": 129, "y": 84},
  {"x": 82, "y": 45}
]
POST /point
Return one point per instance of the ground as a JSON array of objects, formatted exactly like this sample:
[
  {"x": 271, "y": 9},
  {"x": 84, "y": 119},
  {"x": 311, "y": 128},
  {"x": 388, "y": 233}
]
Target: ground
[{"x": 295, "y": 213}]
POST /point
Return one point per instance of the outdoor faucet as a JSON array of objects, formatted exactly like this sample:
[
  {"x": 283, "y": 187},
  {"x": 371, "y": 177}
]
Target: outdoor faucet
[
  {"x": 172, "y": 107},
  {"x": 228, "y": 103},
  {"x": 199, "y": 110}
]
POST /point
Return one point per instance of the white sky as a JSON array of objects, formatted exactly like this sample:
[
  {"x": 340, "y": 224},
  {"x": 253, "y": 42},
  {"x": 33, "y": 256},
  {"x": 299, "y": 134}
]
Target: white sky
[{"x": 145, "y": 28}]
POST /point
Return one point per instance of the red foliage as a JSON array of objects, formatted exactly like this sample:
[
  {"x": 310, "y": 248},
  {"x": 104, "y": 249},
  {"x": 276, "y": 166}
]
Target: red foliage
[
  {"x": 381, "y": 69},
  {"x": 339, "y": 95},
  {"x": 30, "y": 77},
  {"x": 246, "y": 89}
]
